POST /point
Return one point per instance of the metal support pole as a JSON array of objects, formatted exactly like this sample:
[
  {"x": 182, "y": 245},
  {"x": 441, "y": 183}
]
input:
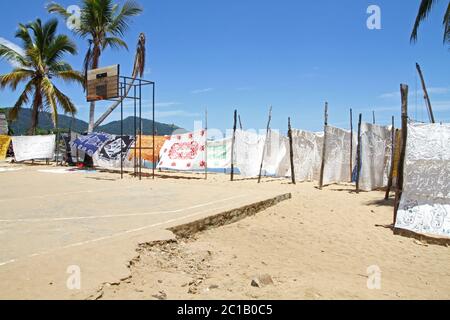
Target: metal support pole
[
  {"x": 154, "y": 134},
  {"x": 121, "y": 130},
  {"x": 140, "y": 130}
]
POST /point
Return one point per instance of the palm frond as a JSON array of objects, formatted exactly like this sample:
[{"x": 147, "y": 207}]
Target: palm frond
[
  {"x": 13, "y": 56},
  {"x": 23, "y": 99},
  {"x": 15, "y": 77},
  {"x": 447, "y": 25},
  {"x": 48, "y": 91},
  {"x": 424, "y": 10},
  {"x": 87, "y": 63},
  {"x": 121, "y": 22},
  {"x": 58, "y": 9},
  {"x": 139, "y": 60},
  {"x": 23, "y": 34},
  {"x": 114, "y": 43},
  {"x": 64, "y": 102},
  {"x": 71, "y": 76},
  {"x": 58, "y": 47}
]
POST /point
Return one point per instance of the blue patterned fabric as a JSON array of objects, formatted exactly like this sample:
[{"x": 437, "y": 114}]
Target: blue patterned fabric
[{"x": 91, "y": 143}]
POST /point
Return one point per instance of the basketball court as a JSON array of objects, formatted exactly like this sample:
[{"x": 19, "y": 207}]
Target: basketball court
[{"x": 51, "y": 219}]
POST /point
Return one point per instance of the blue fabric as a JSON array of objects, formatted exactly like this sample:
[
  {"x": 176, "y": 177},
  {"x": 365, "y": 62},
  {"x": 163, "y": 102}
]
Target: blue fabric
[{"x": 91, "y": 143}]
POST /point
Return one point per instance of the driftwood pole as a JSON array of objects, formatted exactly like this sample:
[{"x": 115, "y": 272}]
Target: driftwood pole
[
  {"x": 401, "y": 166},
  {"x": 426, "y": 96},
  {"x": 351, "y": 145},
  {"x": 291, "y": 148},
  {"x": 265, "y": 145},
  {"x": 391, "y": 173},
  {"x": 324, "y": 151},
  {"x": 233, "y": 144},
  {"x": 358, "y": 155}
]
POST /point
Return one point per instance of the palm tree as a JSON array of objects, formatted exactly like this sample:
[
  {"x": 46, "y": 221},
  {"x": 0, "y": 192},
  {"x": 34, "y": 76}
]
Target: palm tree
[
  {"x": 103, "y": 24},
  {"x": 36, "y": 66},
  {"x": 424, "y": 10}
]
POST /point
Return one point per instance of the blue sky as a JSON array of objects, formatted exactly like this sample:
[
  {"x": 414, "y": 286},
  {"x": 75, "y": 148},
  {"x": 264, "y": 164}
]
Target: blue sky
[{"x": 291, "y": 54}]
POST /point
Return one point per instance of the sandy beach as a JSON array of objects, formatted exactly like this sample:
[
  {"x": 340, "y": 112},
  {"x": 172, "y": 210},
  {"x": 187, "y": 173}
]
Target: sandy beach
[{"x": 319, "y": 245}]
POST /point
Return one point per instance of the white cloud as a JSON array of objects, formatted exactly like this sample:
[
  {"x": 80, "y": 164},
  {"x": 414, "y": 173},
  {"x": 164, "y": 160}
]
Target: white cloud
[
  {"x": 176, "y": 113},
  {"x": 14, "y": 47},
  {"x": 167, "y": 104},
  {"x": 198, "y": 91},
  {"x": 431, "y": 90}
]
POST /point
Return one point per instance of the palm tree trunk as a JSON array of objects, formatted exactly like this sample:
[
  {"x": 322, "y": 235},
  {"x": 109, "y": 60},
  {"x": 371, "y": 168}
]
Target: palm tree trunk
[
  {"x": 88, "y": 161},
  {"x": 95, "y": 62},
  {"x": 37, "y": 103},
  {"x": 91, "y": 117},
  {"x": 115, "y": 105}
]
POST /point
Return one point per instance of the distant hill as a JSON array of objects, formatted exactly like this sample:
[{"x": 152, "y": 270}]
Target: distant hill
[
  {"x": 162, "y": 129},
  {"x": 22, "y": 124}
]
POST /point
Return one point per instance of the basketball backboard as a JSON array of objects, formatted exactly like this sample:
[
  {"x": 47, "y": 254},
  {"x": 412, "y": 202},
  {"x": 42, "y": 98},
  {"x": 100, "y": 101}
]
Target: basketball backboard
[{"x": 103, "y": 83}]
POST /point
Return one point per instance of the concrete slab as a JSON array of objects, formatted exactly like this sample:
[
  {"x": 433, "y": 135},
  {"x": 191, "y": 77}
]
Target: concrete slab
[{"x": 50, "y": 221}]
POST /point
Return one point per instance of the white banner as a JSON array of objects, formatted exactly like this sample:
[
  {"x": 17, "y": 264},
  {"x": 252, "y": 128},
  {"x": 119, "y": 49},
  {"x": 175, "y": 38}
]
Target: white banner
[
  {"x": 34, "y": 147},
  {"x": 376, "y": 144},
  {"x": 425, "y": 204},
  {"x": 276, "y": 151},
  {"x": 308, "y": 148},
  {"x": 249, "y": 152},
  {"x": 337, "y": 157}
]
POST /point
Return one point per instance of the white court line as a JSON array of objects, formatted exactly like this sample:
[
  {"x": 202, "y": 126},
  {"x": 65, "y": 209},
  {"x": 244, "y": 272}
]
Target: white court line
[
  {"x": 65, "y": 194},
  {"x": 116, "y": 235},
  {"x": 9, "y": 170},
  {"x": 7, "y": 262},
  {"x": 121, "y": 215}
]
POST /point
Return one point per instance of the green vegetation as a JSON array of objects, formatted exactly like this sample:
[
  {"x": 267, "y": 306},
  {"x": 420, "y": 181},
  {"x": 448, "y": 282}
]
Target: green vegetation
[
  {"x": 37, "y": 66},
  {"x": 66, "y": 123}
]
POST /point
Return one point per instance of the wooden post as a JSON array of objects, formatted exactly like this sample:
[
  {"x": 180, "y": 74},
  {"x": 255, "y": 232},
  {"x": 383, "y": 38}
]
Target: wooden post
[
  {"x": 351, "y": 145},
  {"x": 233, "y": 143},
  {"x": 265, "y": 145},
  {"x": 401, "y": 166},
  {"x": 373, "y": 117},
  {"x": 324, "y": 151},
  {"x": 291, "y": 146},
  {"x": 391, "y": 173},
  {"x": 426, "y": 96},
  {"x": 358, "y": 155},
  {"x": 240, "y": 123}
]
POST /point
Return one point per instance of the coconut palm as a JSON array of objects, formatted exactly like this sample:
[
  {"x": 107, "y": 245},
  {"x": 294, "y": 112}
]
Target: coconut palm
[
  {"x": 37, "y": 65},
  {"x": 424, "y": 10},
  {"x": 103, "y": 24}
]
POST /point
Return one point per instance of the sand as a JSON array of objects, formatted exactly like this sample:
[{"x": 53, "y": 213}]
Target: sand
[{"x": 319, "y": 245}]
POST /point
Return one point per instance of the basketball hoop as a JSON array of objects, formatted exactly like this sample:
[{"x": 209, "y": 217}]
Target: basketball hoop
[{"x": 92, "y": 98}]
